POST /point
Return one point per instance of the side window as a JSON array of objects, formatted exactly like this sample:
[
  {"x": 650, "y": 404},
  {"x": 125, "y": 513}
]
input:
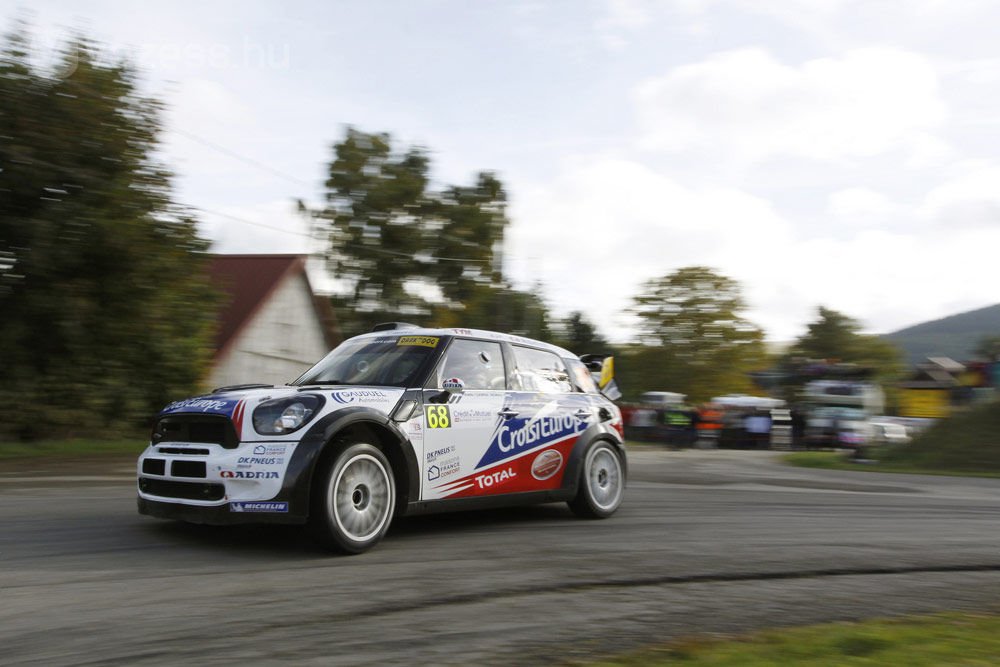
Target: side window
[
  {"x": 478, "y": 364},
  {"x": 541, "y": 371},
  {"x": 582, "y": 379}
]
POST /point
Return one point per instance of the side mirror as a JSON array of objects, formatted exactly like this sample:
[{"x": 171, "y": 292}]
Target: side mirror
[{"x": 453, "y": 386}]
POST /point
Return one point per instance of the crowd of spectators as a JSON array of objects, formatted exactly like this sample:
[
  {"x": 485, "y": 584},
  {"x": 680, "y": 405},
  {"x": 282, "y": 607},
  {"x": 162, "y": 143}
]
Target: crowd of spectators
[{"x": 711, "y": 426}]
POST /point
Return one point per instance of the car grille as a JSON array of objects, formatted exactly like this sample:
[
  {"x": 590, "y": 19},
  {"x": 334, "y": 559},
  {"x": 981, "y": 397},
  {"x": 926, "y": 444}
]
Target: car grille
[
  {"x": 209, "y": 429},
  {"x": 188, "y": 469},
  {"x": 166, "y": 488},
  {"x": 185, "y": 451}
]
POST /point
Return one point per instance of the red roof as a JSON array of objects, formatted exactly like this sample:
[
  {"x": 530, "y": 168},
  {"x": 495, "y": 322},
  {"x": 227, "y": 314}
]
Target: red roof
[{"x": 247, "y": 282}]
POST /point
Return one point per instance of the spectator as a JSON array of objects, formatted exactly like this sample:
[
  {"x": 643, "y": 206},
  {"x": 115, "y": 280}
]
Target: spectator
[{"x": 758, "y": 428}]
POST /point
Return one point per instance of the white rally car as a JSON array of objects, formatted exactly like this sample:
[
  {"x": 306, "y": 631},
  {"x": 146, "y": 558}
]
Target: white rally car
[{"x": 399, "y": 421}]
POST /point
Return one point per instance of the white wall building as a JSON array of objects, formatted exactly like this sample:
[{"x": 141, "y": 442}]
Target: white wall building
[{"x": 272, "y": 326}]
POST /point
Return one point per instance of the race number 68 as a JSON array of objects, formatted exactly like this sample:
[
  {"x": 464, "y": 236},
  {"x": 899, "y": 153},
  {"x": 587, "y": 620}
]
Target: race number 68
[{"x": 438, "y": 416}]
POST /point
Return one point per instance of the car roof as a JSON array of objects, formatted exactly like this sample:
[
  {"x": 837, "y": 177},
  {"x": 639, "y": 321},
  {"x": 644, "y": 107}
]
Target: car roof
[{"x": 471, "y": 333}]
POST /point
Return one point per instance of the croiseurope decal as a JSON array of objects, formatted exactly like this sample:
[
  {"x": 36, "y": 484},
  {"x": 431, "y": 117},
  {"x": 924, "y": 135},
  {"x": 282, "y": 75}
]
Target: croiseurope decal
[
  {"x": 203, "y": 404},
  {"x": 515, "y": 436}
]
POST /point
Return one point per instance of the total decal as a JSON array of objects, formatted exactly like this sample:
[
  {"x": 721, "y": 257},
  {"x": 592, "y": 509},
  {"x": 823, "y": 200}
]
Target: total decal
[{"x": 539, "y": 471}]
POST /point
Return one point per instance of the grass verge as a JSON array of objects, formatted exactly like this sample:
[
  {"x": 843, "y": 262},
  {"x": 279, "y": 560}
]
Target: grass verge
[
  {"x": 967, "y": 443},
  {"x": 72, "y": 448},
  {"x": 915, "y": 641},
  {"x": 842, "y": 461}
]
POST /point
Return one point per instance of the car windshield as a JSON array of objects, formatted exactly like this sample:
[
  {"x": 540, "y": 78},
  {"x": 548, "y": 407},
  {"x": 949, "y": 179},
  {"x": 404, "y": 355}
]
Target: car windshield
[{"x": 388, "y": 362}]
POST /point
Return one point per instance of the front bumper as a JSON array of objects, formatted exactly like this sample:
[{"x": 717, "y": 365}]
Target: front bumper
[
  {"x": 212, "y": 484},
  {"x": 216, "y": 515}
]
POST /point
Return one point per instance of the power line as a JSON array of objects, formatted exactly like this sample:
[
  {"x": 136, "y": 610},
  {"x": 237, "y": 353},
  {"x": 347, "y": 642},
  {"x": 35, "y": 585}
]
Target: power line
[
  {"x": 242, "y": 158},
  {"x": 252, "y": 222},
  {"x": 381, "y": 251},
  {"x": 260, "y": 165}
]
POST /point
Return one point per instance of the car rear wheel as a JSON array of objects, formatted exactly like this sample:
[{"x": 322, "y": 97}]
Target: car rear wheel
[
  {"x": 602, "y": 483},
  {"x": 353, "y": 500}
]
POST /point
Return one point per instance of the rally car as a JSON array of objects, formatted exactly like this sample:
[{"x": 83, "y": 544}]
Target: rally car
[{"x": 399, "y": 421}]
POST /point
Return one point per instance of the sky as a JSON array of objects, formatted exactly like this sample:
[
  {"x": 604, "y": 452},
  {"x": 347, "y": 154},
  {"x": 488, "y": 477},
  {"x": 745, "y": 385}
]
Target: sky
[{"x": 823, "y": 152}]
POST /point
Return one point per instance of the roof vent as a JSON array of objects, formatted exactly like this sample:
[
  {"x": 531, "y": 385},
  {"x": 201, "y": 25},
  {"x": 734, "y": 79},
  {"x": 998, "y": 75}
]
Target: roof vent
[{"x": 389, "y": 326}]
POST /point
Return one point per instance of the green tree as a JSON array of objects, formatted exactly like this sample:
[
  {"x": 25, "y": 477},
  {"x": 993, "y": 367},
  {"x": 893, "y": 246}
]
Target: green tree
[
  {"x": 836, "y": 337},
  {"x": 694, "y": 336},
  {"x": 578, "y": 334},
  {"x": 106, "y": 311},
  {"x": 500, "y": 308},
  {"x": 988, "y": 348},
  {"x": 464, "y": 241},
  {"x": 376, "y": 204},
  {"x": 388, "y": 233}
]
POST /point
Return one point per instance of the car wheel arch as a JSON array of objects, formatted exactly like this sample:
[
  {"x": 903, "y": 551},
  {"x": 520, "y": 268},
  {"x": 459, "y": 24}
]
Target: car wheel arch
[
  {"x": 390, "y": 442},
  {"x": 372, "y": 428},
  {"x": 575, "y": 461}
]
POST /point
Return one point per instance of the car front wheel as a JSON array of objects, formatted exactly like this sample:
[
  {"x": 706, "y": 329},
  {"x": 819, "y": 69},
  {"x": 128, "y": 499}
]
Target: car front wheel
[
  {"x": 602, "y": 483},
  {"x": 353, "y": 500}
]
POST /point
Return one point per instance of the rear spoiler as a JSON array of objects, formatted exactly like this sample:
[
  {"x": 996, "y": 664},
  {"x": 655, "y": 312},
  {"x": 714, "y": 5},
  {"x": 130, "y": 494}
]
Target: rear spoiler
[{"x": 602, "y": 369}]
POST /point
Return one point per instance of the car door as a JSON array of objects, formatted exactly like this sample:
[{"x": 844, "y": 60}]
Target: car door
[
  {"x": 542, "y": 418},
  {"x": 462, "y": 402}
]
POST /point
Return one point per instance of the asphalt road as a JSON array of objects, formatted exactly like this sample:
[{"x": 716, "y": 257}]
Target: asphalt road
[{"x": 705, "y": 542}]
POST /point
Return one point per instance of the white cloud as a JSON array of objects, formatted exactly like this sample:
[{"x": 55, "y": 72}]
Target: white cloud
[
  {"x": 747, "y": 105},
  {"x": 272, "y": 227},
  {"x": 621, "y": 18},
  {"x": 861, "y": 207},
  {"x": 971, "y": 198},
  {"x": 607, "y": 224}
]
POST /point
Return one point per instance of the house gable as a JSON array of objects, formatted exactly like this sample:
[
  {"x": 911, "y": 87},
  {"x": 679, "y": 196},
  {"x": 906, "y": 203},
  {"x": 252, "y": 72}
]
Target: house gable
[{"x": 272, "y": 327}]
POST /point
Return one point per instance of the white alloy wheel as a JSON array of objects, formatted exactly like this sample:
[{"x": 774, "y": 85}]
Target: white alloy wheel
[
  {"x": 354, "y": 500},
  {"x": 360, "y": 498},
  {"x": 602, "y": 483}
]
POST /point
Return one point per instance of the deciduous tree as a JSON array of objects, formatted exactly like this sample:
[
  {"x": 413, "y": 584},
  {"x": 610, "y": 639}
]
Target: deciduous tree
[
  {"x": 394, "y": 241},
  {"x": 695, "y": 337},
  {"x": 106, "y": 312}
]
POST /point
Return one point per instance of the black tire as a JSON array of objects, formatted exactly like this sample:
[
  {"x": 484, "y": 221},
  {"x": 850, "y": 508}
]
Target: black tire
[
  {"x": 353, "y": 500},
  {"x": 602, "y": 482}
]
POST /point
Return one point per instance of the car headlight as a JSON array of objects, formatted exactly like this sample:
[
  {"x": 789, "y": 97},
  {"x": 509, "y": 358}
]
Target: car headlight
[{"x": 284, "y": 415}]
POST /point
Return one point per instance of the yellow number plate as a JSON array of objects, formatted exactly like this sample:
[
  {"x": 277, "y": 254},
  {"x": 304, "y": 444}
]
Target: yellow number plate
[
  {"x": 438, "y": 416},
  {"x": 423, "y": 341}
]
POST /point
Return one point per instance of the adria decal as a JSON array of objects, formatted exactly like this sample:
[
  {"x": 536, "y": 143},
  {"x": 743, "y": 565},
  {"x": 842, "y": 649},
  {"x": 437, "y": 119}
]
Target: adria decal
[{"x": 248, "y": 474}]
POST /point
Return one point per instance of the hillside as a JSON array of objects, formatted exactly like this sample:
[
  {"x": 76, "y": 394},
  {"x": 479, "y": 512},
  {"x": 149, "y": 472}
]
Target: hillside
[{"x": 955, "y": 336}]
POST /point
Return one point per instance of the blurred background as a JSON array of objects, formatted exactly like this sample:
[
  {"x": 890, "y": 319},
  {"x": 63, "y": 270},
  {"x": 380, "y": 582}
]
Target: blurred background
[
  {"x": 780, "y": 217},
  {"x": 732, "y": 200}
]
